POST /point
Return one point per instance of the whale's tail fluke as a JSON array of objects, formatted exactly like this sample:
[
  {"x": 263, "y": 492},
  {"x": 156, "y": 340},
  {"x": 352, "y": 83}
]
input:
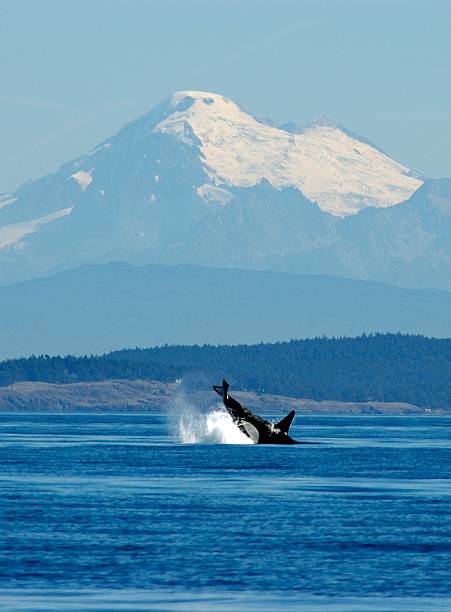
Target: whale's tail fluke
[
  {"x": 222, "y": 389},
  {"x": 284, "y": 424}
]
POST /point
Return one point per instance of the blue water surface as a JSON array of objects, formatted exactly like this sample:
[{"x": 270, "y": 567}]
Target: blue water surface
[{"x": 111, "y": 512}]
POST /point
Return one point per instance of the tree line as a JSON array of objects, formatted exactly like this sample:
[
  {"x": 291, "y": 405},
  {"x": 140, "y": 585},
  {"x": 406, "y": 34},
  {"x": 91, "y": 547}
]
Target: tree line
[{"x": 376, "y": 367}]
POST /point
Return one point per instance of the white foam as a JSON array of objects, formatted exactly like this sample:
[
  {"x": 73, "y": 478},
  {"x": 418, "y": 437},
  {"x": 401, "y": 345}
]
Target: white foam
[{"x": 214, "y": 427}]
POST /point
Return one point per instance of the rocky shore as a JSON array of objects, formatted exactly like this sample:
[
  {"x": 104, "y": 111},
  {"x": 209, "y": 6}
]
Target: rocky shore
[{"x": 154, "y": 396}]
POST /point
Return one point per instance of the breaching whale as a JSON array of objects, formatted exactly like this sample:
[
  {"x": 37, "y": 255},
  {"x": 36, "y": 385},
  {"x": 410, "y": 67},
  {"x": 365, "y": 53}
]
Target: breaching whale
[{"x": 259, "y": 430}]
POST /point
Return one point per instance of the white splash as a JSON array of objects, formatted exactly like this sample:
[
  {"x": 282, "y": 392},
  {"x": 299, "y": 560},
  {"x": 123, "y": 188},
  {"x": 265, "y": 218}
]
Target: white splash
[{"x": 193, "y": 426}]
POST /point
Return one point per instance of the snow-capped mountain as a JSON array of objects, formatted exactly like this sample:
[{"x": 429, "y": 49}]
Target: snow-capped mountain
[
  {"x": 199, "y": 180},
  {"x": 338, "y": 172}
]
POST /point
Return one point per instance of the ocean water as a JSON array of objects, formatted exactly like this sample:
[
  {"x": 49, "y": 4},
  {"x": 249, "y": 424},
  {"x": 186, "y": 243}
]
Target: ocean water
[{"x": 138, "y": 511}]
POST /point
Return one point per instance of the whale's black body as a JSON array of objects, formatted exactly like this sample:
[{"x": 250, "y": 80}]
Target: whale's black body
[{"x": 259, "y": 430}]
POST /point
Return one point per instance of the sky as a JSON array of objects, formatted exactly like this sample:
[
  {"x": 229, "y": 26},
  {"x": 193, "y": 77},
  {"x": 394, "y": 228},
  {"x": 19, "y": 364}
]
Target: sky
[{"x": 72, "y": 73}]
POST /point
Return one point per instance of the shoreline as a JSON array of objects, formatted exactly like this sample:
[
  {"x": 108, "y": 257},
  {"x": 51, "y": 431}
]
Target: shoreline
[{"x": 154, "y": 397}]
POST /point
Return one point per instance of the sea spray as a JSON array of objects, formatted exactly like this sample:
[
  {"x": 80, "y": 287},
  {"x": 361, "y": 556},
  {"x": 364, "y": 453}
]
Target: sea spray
[
  {"x": 215, "y": 427},
  {"x": 193, "y": 424}
]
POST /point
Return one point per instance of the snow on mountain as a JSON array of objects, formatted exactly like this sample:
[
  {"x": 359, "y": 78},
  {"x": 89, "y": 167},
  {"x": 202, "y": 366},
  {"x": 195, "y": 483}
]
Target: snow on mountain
[
  {"x": 11, "y": 235},
  {"x": 211, "y": 193},
  {"x": 198, "y": 180},
  {"x": 337, "y": 171},
  {"x": 6, "y": 199},
  {"x": 407, "y": 245},
  {"x": 83, "y": 178}
]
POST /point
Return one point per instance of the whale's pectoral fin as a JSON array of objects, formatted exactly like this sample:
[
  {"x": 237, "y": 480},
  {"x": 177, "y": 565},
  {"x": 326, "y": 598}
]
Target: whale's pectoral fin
[
  {"x": 250, "y": 430},
  {"x": 284, "y": 424}
]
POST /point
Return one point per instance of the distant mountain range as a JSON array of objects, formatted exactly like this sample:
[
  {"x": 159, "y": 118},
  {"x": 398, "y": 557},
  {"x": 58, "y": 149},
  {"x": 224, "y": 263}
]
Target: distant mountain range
[
  {"x": 93, "y": 309},
  {"x": 200, "y": 181}
]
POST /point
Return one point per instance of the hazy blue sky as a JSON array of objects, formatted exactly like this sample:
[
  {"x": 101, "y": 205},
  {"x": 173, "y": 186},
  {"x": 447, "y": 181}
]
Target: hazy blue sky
[{"x": 73, "y": 72}]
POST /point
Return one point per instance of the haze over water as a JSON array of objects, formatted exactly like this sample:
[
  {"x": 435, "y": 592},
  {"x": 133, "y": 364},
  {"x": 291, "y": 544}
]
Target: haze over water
[{"x": 113, "y": 511}]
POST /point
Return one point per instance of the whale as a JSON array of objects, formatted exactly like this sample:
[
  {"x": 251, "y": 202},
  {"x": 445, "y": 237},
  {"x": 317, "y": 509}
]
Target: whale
[{"x": 259, "y": 430}]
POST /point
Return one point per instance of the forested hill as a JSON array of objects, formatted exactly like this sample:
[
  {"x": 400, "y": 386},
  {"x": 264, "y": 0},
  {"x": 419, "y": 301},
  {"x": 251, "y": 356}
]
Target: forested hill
[{"x": 379, "y": 367}]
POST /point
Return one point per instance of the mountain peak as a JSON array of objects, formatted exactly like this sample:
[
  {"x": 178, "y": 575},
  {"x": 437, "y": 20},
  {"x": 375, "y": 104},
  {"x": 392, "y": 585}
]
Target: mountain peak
[
  {"x": 206, "y": 97},
  {"x": 321, "y": 122},
  {"x": 331, "y": 167},
  {"x": 200, "y": 102}
]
